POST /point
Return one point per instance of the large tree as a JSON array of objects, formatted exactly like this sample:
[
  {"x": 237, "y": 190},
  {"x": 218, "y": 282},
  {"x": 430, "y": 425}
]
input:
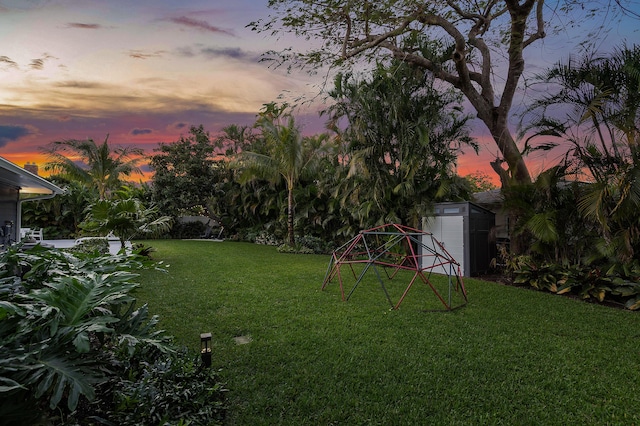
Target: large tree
[
  {"x": 289, "y": 156},
  {"x": 400, "y": 139},
  {"x": 96, "y": 166},
  {"x": 184, "y": 172},
  {"x": 461, "y": 42}
]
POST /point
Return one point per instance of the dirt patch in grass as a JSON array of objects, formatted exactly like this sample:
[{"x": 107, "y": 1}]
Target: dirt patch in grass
[{"x": 242, "y": 340}]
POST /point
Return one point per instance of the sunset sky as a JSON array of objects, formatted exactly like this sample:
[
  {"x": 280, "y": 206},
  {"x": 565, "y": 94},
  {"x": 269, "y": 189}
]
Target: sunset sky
[{"x": 143, "y": 71}]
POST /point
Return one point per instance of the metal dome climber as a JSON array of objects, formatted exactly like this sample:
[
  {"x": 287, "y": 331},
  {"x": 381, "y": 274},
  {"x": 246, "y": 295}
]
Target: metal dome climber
[{"x": 396, "y": 248}]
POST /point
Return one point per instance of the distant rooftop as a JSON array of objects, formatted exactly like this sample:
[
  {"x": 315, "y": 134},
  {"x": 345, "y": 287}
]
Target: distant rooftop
[{"x": 488, "y": 198}]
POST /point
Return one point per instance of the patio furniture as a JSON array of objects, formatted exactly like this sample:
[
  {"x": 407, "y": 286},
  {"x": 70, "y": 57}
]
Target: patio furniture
[{"x": 29, "y": 233}]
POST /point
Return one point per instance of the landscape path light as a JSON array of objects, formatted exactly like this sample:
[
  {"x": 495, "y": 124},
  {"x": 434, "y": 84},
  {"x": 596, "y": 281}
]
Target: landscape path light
[{"x": 205, "y": 349}]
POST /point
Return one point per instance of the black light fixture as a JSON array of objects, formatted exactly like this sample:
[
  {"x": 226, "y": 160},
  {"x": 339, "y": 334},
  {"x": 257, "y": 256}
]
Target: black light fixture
[{"x": 205, "y": 349}]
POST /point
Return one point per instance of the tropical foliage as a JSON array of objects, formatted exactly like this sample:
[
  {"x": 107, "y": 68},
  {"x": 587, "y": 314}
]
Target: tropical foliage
[
  {"x": 170, "y": 390},
  {"x": 95, "y": 193},
  {"x": 289, "y": 156},
  {"x": 467, "y": 45},
  {"x": 64, "y": 322},
  {"x": 184, "y": 172},
  {"x": 548, "y": 221},
  {"x": 126, "y": 218},
  {"x": 399, "y": 146},
  {"x": 72, "y": 341},
  {"x": 618, "y": 284},
  {"x": 602, "y": 126},
  {"x": 590, "y": 226},
  {"x": 59, "y": 217},
  {"x": 95, "y": 166},
  {"x": 392, "y": 154}
]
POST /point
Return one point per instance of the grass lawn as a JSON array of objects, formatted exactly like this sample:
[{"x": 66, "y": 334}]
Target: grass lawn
[{"x": 510, "y": 356}]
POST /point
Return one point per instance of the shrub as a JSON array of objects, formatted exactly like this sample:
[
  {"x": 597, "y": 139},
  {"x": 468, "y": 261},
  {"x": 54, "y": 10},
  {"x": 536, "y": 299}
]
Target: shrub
[
  {"x": 317, "y": 245},
  {"x": 267, "y": 239},
  {"x": 298, "y": 248},
  {"x": 143, "y": 250},
  {"x": 89, "y": 245},
  {"x": 307, "y": 245},
  {"x": 614, "y": 283},
  {"x": 68, "y": 327},
  {"x": 171, "y": 388},
  {"x": 188, "y": 230}
]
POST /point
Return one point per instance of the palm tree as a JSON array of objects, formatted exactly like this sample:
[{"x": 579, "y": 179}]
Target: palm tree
[
  {"x": 604, "y": 129},
  {"x": 93, "y": 165},
  {"x": 126, "y": 218},
  {"x": 289, "y": 156}
]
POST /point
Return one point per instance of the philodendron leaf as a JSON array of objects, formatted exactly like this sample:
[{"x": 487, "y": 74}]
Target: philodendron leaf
[
  {"x": 11, "y": 308},
  {"x": 56, "y": 374},
  {"x": 7, "y": 385},
  {"x": 81, "y": 342},
  {"x": 53, "y": 326}
]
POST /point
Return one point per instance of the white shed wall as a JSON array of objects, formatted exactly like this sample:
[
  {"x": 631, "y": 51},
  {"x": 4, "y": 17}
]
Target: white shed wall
[{"x": 449, "y": 231}]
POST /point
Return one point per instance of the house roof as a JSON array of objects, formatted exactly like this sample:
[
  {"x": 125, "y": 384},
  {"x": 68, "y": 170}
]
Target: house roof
[
  {"x": 29, "y": 184},
  {"x": 488, "y": 198}
]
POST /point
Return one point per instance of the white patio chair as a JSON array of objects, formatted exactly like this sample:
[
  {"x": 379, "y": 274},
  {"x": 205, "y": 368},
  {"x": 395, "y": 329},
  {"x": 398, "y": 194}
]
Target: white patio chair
[
  {"x": 31, "y": 233},
  {"x": 24, "y": 232}
]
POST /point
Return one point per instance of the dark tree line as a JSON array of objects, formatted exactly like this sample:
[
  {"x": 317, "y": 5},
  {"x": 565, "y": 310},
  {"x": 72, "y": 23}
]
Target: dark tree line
[{"x": 393, "y": 156}]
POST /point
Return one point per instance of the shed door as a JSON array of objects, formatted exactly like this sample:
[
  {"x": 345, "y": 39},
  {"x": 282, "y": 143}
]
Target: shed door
[{"x": 449, "y": 230}]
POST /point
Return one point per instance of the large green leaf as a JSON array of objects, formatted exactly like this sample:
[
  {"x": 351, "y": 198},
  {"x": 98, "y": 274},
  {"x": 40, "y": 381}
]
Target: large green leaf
[
  {"x": 80, "y": 298},
  {"x": 542, "y": 226},
  {"x": 136, "y": 329},
  {"x": 7, "y": 385},
  {"x": 57, "y": 373}
]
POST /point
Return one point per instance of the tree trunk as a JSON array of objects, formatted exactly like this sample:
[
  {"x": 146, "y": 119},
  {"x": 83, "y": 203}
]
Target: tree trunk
[
  {"x": 516, "y": 171},
  {"x": 292, "y": 238}
]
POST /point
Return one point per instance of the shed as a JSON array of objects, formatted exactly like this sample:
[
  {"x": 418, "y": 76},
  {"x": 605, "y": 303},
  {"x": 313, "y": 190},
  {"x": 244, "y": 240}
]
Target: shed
[
  {"x": 466, "y": 231},
  {"x": 16, "y": 186}
]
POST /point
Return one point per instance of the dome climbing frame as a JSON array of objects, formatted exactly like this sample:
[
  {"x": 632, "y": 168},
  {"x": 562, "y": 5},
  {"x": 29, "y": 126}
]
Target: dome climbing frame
[{"x": 392, "y": 248}]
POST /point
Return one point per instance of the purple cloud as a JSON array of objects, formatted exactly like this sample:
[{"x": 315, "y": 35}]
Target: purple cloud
[
  {"x": 138, "y": 54},
  {"x": 84, "y": 26},
  {"x": 218, "y": 52},
  {"x": 12, "y": 133},
  {"x": 200, "y": 25},
  {"x": 228, "y": 52},
  {"x": 136, "y": 132}
]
